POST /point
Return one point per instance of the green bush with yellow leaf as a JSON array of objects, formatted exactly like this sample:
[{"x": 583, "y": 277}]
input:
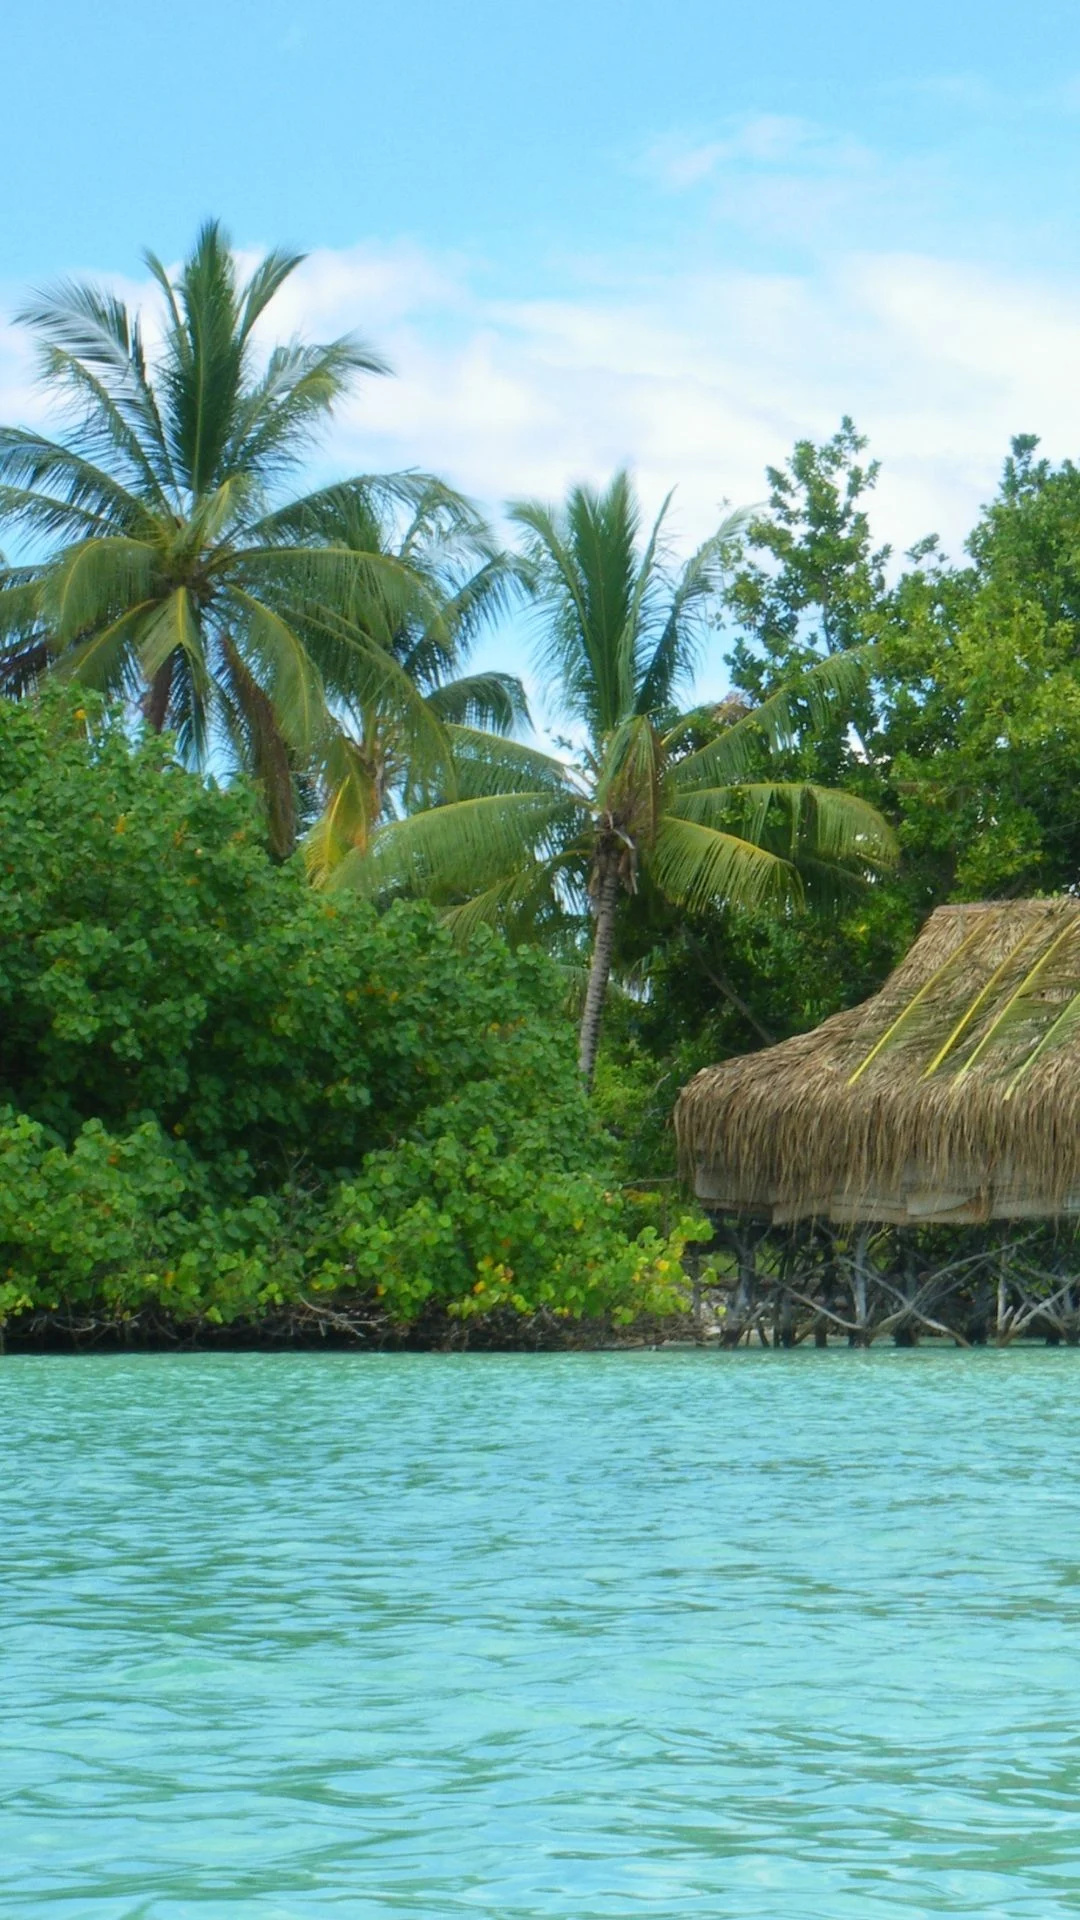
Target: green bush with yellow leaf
[{"x": 224, "y": 1095}]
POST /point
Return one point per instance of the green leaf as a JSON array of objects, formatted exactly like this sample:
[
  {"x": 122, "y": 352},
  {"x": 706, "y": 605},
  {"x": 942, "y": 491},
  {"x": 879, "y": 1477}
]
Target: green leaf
[{"x": 698, "y": 867}]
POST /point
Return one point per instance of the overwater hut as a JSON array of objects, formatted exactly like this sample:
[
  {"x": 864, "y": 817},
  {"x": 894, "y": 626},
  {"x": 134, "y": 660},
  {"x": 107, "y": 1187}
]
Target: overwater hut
[{"x": 950, "y": 1098}]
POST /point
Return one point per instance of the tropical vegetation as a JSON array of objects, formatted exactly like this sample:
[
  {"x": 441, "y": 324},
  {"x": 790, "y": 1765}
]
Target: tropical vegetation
[
  {"x": 171, "y": 569},
  {"x": 683, "y": 801},
  {"x": 226, "y": 1096},
  {"x": 299, "y": 917}
]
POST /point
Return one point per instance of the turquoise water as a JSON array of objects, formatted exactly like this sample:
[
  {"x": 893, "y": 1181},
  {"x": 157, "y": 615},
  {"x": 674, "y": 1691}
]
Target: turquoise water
[{"x": 585, "y": 1637}]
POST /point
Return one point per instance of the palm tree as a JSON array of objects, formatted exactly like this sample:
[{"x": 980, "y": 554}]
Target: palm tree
[
  {"x": 385, "y": 752},
  {"x": 686, "y": 796},
  {"x": 173, "y": 576}
]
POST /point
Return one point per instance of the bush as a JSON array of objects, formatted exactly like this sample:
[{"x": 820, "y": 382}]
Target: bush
[
  {"x": 224, "y": 1093},
  {"x": 474, "y": 1214}
]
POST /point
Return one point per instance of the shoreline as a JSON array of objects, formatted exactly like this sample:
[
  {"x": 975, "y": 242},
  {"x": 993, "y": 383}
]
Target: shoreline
[{"x": 678, "y": 1335}]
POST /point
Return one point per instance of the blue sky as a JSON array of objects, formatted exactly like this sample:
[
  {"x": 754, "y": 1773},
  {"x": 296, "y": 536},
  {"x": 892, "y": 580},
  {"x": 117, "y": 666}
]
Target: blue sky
[
  {"x": 585, "y": 233},
  {"x": 514, "y": 131}
]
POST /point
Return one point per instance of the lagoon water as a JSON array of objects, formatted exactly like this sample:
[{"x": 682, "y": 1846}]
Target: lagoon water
[{"x": 582, "y": 1637}]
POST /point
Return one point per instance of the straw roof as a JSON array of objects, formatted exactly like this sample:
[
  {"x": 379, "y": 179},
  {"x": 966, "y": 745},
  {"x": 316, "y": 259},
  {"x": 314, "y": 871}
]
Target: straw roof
[{"x": 952, "y": 1095}]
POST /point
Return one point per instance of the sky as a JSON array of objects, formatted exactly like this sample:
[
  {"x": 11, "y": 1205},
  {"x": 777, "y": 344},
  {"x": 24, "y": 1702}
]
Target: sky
[{"x": 586, "y": 234}]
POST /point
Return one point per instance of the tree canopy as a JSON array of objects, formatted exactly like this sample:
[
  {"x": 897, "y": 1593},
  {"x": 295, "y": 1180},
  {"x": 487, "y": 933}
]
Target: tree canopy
[
  {"x": 226, "y": 1095},
  {"x": 685, "y": 797},
  {"x": 168, "y": 564},
  {"x": 216, "y": 1048}
]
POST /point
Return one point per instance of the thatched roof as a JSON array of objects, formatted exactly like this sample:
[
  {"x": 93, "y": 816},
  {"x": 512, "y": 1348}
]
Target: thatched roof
[{"x": 954, "y": 1094}]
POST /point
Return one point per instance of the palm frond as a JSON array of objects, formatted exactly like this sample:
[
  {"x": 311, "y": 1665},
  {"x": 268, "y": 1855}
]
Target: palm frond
[
  {"x": 112, "y": 428},
  {"x": 49, "y": 516},
  {"x": 293, "y": 401},
  {"x": 973, "y": 1007},
  {"x": 20, "y": 600},
  {"x": 362, "y": 676},
  {"x": 483, "y": 597},
  {"x": 482, "y": 700},
  {"x": 268, "y": 278},
  {"x": 375, "y": 589},
  {"x": 171, "y": 628},
  {"x": 25, "y": 651},
  {"x": 105, "y": 660},
  {"x": 485, "y": 763},
  {"x": 205, "y": 360},
  {"x": 462, "y": 847},
  {"x": 678, "y": 647},
  {"x": 95, "y": 581},
  {"x": 259, "y": 738},
  {"x": 553, "y": 578},
  {"x": 905, "y": 1020},
  {"x": 1018, "y": 1006},
  {"x": 279, "y": 661},
  {"x": 698, "y": 867},
  {"x": 631, "y": 779},
  {"x": 806, "y": 702},
  {"x": 633, "y": 650},
  {"x": 349, "y": 814},
  {"x": 30, "y": 462},
  {"x": 217, "y": 517},
  {"x": 1056, "y": 1035},
  {"x": 92, "y": 353},
  {"x": 828, "y": 823},
  {"x": 356, "y": 512},
  {"x": 517, "y": 904}
]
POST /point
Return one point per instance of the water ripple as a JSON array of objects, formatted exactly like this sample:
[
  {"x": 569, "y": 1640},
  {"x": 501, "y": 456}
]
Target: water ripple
[{"x": 582, "y": 1637}]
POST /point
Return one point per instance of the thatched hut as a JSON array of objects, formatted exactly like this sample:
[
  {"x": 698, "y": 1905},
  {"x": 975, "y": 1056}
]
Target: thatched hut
[{"x": 951, "y": 1097}]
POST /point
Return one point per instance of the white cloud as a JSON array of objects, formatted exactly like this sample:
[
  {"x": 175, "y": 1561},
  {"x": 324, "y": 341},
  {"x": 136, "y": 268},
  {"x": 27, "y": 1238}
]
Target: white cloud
[
  {"x": 764, "y": 140},
  {"x": 694, "y": 377},
  {"x": 704, "y": 378}
]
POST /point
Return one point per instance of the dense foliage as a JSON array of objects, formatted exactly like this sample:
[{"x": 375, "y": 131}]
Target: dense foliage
[
  {"x": 224, "y": 1093},
  {"x": 229, "y": 1094},
  {"x": 967, "y": 739},
  {"x": 170, "y": 564},
  {"x": 687, "y": 803}
]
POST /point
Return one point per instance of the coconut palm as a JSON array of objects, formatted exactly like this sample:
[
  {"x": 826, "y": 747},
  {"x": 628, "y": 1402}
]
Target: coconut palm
[
  {"x": 687, "y": 796},
  {"x": 173, "y": 574},
  {"x": 384, "y": 752}
]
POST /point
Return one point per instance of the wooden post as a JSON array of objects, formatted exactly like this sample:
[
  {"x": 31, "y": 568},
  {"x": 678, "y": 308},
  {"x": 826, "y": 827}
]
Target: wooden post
[
  {"x": 1002, "y": 1314},
  {"x": 741, "y": 1307},
  {"x": 858, "y": 1286}
]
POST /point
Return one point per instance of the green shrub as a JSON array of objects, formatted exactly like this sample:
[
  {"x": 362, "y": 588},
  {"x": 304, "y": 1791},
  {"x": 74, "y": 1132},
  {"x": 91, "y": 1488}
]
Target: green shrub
[
  {"x": 481, "y": 1210},
  {"x": 154, "y": 961},
  {"x": 223, "y": 1092}
]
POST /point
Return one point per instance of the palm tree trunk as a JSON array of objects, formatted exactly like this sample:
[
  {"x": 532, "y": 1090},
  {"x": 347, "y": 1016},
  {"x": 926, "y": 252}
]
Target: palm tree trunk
[
  {"x": 607, "y": 901},
  {"x": 269, "y": 755},
  {"x": 156, "y": 699}
]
